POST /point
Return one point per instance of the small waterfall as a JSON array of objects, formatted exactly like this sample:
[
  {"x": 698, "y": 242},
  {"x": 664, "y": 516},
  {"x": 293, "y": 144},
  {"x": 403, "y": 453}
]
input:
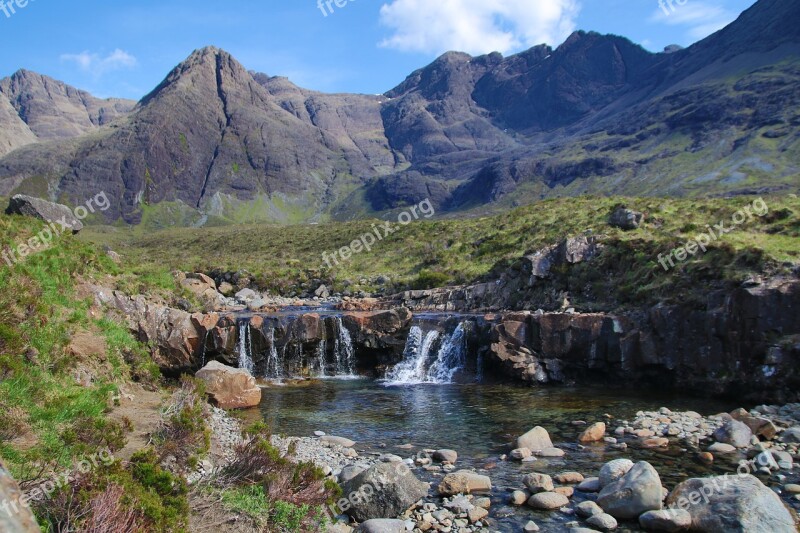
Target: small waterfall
[
  {"x": 274, "y": 368},
  {"x": 321, "y": 352},
  {"x": 424, "y": 363},
  {"x": 452, "y": 357},
  {"x": 343, "y": 348},
  {"x": 203, "y": 350},
  {"x": 244, "y": 347}
]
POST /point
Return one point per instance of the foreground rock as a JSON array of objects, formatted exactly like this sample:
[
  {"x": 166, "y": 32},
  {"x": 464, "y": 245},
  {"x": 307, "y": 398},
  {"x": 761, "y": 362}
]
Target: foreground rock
[
  {"x": 733, "y": 504},
  {"x": 382, "y": 525},
  {"x": 534, "y": 440},
  {"x": 14, "y": 522},
  {"x": 58, "y": 214},
  {"x": 637, "y": 492},
  {"x": 230, "y": 388},
  {"x": 386, "y": 489},
  {"x": 670, "y": 520}
]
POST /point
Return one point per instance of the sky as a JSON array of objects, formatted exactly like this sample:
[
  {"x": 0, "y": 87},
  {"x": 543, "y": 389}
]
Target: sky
[{"x": 125, "y": 48}]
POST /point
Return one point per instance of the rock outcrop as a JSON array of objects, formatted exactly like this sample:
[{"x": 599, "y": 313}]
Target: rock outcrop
[
  {"x": 14, "y": 516},
  {"x": 384, "y": 490},
  {"x": 57, "y": 214},
  {"x": 229, "y": 388}
]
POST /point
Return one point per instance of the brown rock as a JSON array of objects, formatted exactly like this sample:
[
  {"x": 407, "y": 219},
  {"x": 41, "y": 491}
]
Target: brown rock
[
  {"x": 593, "y": 433},
  {"x": 230, "y": 388}
]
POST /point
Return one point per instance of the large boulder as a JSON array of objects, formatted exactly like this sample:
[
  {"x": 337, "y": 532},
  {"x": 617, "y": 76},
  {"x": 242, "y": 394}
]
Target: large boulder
[
  {"x": 732, "y": 504},
  {"x": 535, "y": 440},
  {"x": 625, "y": 219},
  {"x": 635, "y": 493},
  {"x": 15, "y": 518},
  {"x": 385, "y": 490},
  {"x": 58, "y": 214},
  {"x": 382, "y": 525},
  {"x": 613, "y": 470},
  {"x": 228, "y": 387},
  {"x": 670, "y": 520}
]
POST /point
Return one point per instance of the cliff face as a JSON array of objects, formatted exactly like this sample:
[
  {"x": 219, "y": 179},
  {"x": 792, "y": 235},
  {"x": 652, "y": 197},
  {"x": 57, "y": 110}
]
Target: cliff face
[{"x": 743, "y": 343}]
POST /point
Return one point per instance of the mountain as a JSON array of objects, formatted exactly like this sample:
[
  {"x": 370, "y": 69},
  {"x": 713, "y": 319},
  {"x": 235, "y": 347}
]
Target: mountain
[{"x": 215, "y": 143}]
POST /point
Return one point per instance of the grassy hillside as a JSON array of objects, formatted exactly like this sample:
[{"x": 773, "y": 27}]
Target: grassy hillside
[{"x": 289, "y": 261}]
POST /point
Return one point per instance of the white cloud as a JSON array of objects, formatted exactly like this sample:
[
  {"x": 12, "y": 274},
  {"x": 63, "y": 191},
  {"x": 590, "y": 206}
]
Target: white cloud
[
  {"x": 699, "y": 18},
  {"x": 477, "y": 26},
  {"x": 97, "y": 65}
]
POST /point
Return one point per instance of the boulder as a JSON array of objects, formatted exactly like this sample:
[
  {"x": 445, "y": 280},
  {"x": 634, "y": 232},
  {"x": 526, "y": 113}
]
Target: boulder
[
  {"x": 535, "y": 440},
  {"x": 445, "y": 456},
  {"x": 228, "y": 387},
  {"x": 338, "y": 441},
  {"x": 587, "y": 509},
  {"x": 666, "y": 520},
  {"x": 57, "y": 214},
  {"x": 602, "y": 521},
  {"x": 464, "y": 482},
  {"x": 22, "y": 521},
  {"x": 625, "y": 219},
  {"x": 538, "y": 483},
  {"x": 382, "y": 525},
  {"x": 548, "y": 501},
  {"x": 791, "y": 436},
  {"x": 733, "y": 504},
  {"x": 734, "y": 433},
  {"x": 613, "y": 470},
  {"x": 593, "y": 433},
  {"x": 385, "y": 489},
  {"x": 635, "y": 493}
]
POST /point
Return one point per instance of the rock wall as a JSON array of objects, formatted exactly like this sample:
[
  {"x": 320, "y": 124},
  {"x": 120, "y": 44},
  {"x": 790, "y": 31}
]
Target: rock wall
[{"x": 744, "y": 343}]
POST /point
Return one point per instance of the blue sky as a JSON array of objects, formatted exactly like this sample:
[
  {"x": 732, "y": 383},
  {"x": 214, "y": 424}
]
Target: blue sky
[{"x": 125, "y": 48}]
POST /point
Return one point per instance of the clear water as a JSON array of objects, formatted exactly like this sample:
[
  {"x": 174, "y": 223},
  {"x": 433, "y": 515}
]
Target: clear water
[{"x": 481, "y": 422}]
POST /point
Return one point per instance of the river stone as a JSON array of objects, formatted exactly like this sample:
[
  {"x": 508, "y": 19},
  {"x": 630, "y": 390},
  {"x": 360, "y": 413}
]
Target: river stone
[
  {"x": 382, "y": 525},
  {"x": 566, "y": 491},
  {"x": 593, "y": 433},
  {"x": 57, "y": 214},
  {"x": 538, "y": 483},
  {"x": 388, "y": 489},
  {"x": 569, "y": 478},
  {"x": 636, "y": 492},
  {"x": 734, "y": 433},
  {"x": 464, "y": 482},
  {"x": 550, "y": 452},
  {"x": 721, "y": 447},
  {"x": 588, "y": 508},
  {"x": 228, "y": 387},
  {"x": 520, "y": 453},
  {"x": 733, "y": 504},
  {"x": 536, "y": 439},
  {"x": 590, "y": 484},
  {"x": 519, "y": 497},
  {"x": 791, "y": 436},
  {"x": 602, "y": 521},
  {"x": 349, "y": 472},
  {"x": 340, "y": 441},
  {"x": 448, "y": 456},
  {"x": 530, "y": 527},
  {"x": 670, "y": 520},
  {"x": 613, "y": 470},
  {"x": 548, "y": 501},
  {"x": 476, "y": 514}
]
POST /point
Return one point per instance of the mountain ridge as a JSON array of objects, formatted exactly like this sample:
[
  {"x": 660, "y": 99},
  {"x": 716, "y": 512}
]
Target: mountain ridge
[{"x": 216, "y": 143}]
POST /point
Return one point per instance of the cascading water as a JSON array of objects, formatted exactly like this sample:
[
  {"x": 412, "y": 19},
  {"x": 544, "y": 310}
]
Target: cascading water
[
  {"x": 428, "y": 359},
  {"x": 343, "y": 348},
  {"x": 273, "y": 370},
  {"x": 321, "y": 353},
  {"x": 244, "y": 348}
]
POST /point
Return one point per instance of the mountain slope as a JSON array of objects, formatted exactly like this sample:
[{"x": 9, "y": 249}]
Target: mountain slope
[{"x": 599, "y": 114}]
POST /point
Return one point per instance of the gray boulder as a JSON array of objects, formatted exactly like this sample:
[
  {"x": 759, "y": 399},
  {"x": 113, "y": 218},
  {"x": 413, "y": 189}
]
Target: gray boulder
[
  {"x": 732, "y": 504},
  {"x": 613, "y": 470},
  {"x": 670, "y": 520},
  {"x": 635, "y": 493},
  {"x": 734, "y": 433},
  {"x": 625, "y": 218},
  {"x": 384, "y": 490},
  {"x": 58, "y": 214},
  {"x": 535, "y": 439},
  {"x": 14, "y": 522}
]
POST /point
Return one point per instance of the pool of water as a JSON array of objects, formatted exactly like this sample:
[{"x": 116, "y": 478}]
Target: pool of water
[{"x": 481, "y": 422}]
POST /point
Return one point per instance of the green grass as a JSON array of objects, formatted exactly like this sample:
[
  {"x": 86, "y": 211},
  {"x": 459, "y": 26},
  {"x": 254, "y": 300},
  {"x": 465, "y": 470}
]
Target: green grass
[{"x": 287, "y": 259}]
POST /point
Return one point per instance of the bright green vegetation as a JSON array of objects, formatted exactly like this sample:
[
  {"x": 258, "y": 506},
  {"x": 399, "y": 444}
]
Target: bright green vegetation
[{"x": 429, "y": 253}]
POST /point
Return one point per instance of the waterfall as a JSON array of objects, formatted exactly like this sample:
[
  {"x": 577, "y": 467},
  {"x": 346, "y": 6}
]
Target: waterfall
[
  {"x": 343, "y": 348},
  {"x": 321, "y": 352},
  {"x": 452, "y": 357},
  {"x": 203, "y": 350},
  {"x": 430, "y": 358},
  {"x": 274, "y": 370},
  {"x": 244, "y": 347}
]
